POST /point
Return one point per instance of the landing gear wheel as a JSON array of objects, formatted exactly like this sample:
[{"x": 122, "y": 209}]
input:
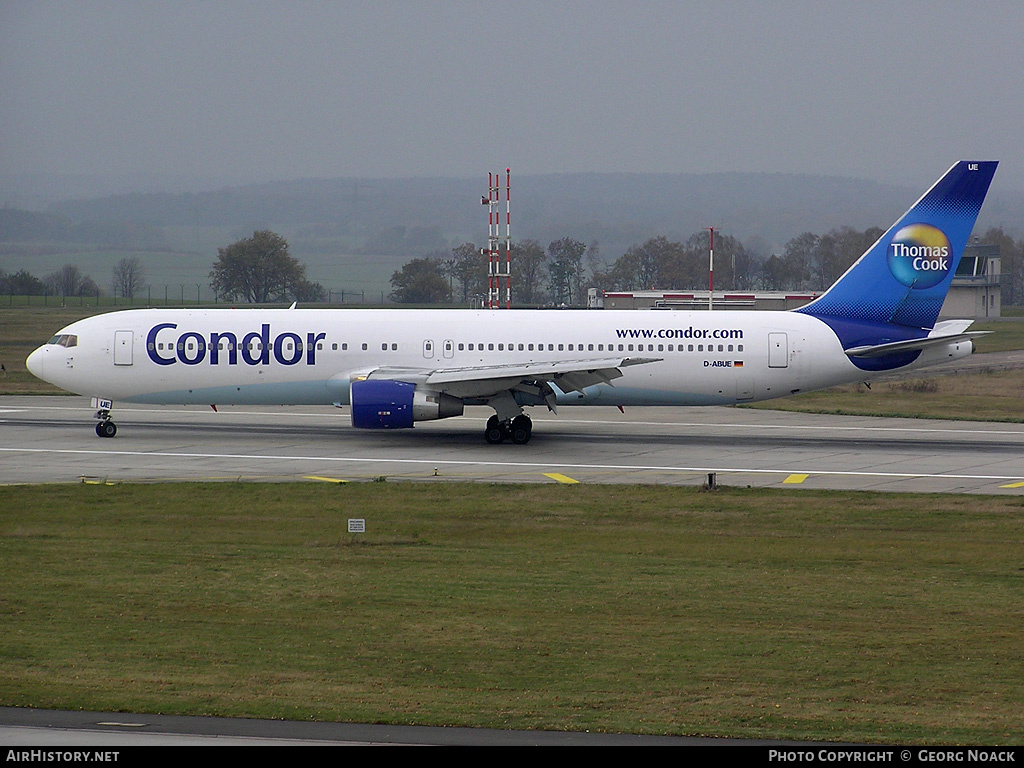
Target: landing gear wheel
[
  {"x": 494, "y": 432},
  {"x": 106, "y": 429},
  {"x": 521, "y": 429}
]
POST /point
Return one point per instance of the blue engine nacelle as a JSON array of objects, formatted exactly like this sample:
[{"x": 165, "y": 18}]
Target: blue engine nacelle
[{"x": 387, "y": 404}]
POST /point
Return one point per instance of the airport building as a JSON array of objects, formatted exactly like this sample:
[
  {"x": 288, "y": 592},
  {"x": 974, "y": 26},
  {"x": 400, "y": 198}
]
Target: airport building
[
  {"x": 976, "y": 289},
  {"x": 975, "y": 292}
]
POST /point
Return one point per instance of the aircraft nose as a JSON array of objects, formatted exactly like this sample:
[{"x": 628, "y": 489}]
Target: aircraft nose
[{"x": 34, "y": 363}]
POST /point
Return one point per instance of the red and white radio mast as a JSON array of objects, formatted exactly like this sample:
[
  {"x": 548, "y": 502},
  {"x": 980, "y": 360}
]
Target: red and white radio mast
[
  {"x": 496, "y": 269},
  {"x": 711, "y": 269}
]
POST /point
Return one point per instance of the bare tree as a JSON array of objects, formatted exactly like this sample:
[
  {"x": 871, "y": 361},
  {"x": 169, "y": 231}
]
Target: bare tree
[
  {"x": 69, "y": 281},
  {"x": 129, "y": 277},
  {"x": 529, "y": 267},
  {"x": 565, "y": 270}
]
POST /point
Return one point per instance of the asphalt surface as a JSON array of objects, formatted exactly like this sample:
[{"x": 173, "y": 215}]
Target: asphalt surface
[
  {"x": 52, "y": 439},
  {"x": 50, "y": 728}
]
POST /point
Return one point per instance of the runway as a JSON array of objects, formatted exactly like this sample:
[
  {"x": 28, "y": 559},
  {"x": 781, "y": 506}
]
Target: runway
[
  {"x": 89, "y": 731},
  {"x": 52, "y": 439}
]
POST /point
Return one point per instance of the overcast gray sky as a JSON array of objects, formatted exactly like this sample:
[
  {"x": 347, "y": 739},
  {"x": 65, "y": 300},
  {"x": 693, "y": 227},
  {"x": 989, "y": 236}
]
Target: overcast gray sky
[{"x": 891, "y": 91}]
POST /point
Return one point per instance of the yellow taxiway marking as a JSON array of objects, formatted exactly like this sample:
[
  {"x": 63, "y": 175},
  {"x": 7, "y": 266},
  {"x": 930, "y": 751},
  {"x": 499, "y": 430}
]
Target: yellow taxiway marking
[
  {"x": 86, "y": 480},
  {"x": 324, "y": 479},
  {"x": 1013, "y": 485},
  {"x": 559, "y": 477},
  {"x": 795, "y": 479}
]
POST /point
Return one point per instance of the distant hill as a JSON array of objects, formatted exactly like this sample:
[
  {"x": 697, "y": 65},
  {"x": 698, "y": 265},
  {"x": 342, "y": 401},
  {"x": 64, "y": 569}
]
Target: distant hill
[
  {"x": 617, "y": 210},
  {"x": 353, "y": 232}
]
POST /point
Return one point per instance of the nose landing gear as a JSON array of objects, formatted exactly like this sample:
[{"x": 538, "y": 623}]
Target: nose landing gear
[{"x": 105, "y": 427}]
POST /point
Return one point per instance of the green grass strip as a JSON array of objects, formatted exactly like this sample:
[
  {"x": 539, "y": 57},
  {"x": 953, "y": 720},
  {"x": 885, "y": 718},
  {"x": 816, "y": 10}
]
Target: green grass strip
[{"x": 745, "y": 613}]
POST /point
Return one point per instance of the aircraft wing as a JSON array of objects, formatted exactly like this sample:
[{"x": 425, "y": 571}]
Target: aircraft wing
[{"x": 488, "y": 380}]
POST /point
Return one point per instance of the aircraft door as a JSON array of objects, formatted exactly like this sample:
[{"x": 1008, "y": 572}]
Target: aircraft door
[
  {"x": 428, "y": 349},
  {"x": 123, "y": 343},
  {"x": 449, "y": 348},
  {"x": 778, "y": 350}
]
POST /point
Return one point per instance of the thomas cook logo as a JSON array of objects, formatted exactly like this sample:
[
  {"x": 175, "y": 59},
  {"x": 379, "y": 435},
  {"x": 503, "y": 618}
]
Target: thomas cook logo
[{"x": 920, "y": 256}]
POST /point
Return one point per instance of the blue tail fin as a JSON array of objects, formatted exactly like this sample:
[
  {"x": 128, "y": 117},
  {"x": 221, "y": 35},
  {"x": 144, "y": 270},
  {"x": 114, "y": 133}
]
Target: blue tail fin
[{"x": 903, "y": 278}]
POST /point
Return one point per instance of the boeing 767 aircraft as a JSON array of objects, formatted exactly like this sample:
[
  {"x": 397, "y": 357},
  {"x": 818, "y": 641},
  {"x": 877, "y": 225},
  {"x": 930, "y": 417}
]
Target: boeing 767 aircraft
[{"x": 397, "y": 367}]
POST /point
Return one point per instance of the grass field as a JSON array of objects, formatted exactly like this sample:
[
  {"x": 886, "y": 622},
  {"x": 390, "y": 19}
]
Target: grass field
[
  {"x": 812, "y": 616},
  {"x": 987, "y": 395}
]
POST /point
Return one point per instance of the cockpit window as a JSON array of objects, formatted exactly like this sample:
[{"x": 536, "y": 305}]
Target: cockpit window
[{"x": 64, "y": 340}]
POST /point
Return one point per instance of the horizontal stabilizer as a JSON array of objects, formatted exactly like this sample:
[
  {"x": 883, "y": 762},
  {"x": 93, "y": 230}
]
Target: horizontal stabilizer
[{"x": 881, "y": 350}]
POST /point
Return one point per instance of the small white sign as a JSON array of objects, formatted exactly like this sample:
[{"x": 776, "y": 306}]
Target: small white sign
[{"x": 356, "y": 525}]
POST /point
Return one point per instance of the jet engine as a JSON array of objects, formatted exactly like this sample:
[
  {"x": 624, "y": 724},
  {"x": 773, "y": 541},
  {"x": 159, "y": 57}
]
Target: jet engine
[{"x": 388, "y": 404}]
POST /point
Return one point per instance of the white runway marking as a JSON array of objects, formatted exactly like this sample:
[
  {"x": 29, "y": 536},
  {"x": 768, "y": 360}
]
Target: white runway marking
[
  {"x": 510, "y": 464},
  {"x": 1012, "y": 429}
]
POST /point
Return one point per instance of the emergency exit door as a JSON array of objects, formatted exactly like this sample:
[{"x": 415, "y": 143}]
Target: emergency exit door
[
  {"x": 778, "y": 350},
  {"x": 123, "y": 347}
]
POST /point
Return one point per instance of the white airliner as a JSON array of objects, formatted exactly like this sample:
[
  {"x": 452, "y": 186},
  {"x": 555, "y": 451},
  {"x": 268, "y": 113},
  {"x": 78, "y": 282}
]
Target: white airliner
[{"x": 397, "y": 367}]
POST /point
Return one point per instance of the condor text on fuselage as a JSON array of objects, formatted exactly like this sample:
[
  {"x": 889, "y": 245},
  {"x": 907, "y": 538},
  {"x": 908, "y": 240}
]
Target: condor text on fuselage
[{"x": 192, "y": 348}]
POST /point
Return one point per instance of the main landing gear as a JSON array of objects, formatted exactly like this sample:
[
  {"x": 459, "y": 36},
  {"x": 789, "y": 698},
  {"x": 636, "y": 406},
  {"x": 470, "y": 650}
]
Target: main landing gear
[{"x": 518, "y": 430}]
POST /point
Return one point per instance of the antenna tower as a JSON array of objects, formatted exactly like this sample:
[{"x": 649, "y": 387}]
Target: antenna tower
[
  {"x": 711, "y": 269},
  {"x": 496, "y": 267}
]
